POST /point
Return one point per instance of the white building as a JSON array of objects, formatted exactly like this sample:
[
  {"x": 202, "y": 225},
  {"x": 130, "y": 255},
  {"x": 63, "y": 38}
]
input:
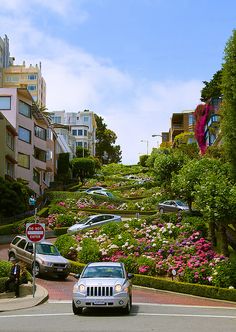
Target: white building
[{"x": 82, "y": 126}]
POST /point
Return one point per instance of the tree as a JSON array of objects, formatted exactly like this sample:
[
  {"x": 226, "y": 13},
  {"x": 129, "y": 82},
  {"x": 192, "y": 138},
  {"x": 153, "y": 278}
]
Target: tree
[
  {"x": 106, "y": 150},
  {"x": 166, "y": 163},
  {"x": 212, "y": 89},
  {"x": 63, "y": 167},
  {"x": 184, "y": 183},
  {"x": 228, "y": 122},
  {"x": 213, "y": 197},
  {"x": 81, "y": 152},
  {"x": 83, "y": 168}
]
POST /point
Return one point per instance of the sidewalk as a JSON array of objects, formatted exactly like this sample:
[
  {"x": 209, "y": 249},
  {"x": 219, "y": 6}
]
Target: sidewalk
[{"x": 28, "y": 301}]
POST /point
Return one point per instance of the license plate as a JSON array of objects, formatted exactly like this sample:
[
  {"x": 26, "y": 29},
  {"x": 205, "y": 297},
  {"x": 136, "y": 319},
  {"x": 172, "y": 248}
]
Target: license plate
[
  {"x": 59, "y": 270},
  {"x": 98, "y": 302}
]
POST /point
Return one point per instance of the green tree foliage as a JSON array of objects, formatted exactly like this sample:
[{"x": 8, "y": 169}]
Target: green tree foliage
[
  {"x": 166, "y": 163},
  {"x": 83, "y": 168},
  {"x": 63, "y": 168},
  {"x": 106, "y": 150},
  {"x": 185, "y": 142},
  {"x": 143, "y": 159},
  {"x": 81, "y": 152},
  {"x": 213, "y": 198},
  {"x": 228, "y": 122},
  {"x": 14, "y": 197},
  {"x": 183, "y": 184},
  {"x": 212, "y": 89}
]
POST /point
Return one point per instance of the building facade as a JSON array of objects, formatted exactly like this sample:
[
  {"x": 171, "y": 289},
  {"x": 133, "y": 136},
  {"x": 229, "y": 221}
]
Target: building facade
[
  {"x": 82, "y": 126},
  {"x": 180, "y": 123},
  {"x": 30, "y": 138}
]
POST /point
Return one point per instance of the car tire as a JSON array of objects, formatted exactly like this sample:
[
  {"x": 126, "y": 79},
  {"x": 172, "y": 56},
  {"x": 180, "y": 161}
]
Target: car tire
[
  {"x": 161, "y": 210},
  {"x": 76, "y": 311},
  {"x": 128, "y": 307},
  {"x": 12, "y": 255}
]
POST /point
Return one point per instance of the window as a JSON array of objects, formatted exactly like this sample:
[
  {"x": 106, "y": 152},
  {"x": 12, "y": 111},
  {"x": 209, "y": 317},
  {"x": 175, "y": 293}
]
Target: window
[
  {"x": 5, "y": 102},
  {"x": 191, "y": 119},
  {"x": 23, "y": 160},
  {"x": 24, "y": 109},
  {"x": 32, "y": 77},
  {"x": 9, "y": 169},
  {"x": 49, "y": 155},
  {"x": 10, "y": 140},
  {"x": 86, "y": 119},
  {"x": 40, "y": 154},
  {"x": 74, "y": 132},
  {"x": 40, "y": 132},
  {"x": 49, "y": 134},
  {"x": 24, "y": 135},
  {"x": 32, "y": 87},
  {"x": 85, "y": 145},
  {"x": 56, "y": 119},
  {"x": 22, "y": 244},
  {"x": 80, "y": 132},
  {"x": 36, "y": 176},
  {"x": 79, "y": 144},
  {"x": 85, "y": 132}
]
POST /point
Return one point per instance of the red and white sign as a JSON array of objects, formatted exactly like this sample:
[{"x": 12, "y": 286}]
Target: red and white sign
[{"x": 35, "y": 232}]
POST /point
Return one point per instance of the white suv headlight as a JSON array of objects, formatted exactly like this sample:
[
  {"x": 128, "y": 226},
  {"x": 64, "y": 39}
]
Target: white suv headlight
[
  {"x": 118, "y": 288},
  {"x": 81, "y": 288}
]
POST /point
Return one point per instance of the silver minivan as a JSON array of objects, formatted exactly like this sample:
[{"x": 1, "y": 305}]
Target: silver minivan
[{"x": 48, "y": 259}]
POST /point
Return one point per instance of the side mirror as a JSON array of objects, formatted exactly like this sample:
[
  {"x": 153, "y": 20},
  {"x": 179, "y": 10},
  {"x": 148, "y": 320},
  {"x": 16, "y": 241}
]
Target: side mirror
[
  {"x": 76, "y": 276},
  {"x": 130, "y": 275}
]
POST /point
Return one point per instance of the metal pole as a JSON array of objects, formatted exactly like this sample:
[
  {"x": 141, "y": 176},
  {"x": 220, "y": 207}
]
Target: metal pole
[
  {"x": 34, "y": 269},
  {"x": 34, "y": 261}
]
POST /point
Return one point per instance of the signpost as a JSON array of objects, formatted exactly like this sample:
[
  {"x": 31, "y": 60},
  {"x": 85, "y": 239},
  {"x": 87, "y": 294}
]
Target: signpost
[{"x": 35, "y": 232}]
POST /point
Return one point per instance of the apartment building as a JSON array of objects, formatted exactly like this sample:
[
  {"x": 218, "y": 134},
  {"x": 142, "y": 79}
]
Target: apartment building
[
  {"x": 29, "y": 77},
  {"x": 180, "y": 123},
  {"x": 82, "y": 126},
  {"x": 28, "y": 140}
]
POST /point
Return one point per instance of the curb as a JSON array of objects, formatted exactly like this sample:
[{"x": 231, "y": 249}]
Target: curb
[{"x": 41, "y": 296}]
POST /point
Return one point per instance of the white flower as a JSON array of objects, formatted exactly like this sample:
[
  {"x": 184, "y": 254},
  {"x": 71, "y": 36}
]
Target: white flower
[{"x": 231, "y": 287}]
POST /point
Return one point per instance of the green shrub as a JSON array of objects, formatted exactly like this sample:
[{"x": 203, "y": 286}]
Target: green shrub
[
  {"x": 56, "y": 208},
  {"x": 224, "y": 274},
  {"x": 198, "y": 223},
  {"x": 60, "y": 231},
  {"x": 66, "y": 245},
  {"x": 111, "y": 229},
  {"x": 43, "y": 212},
  {"x": 65, "y": 220},
  {"x": 90, "y": 251},
  {"x": 5, "y": 268},
  {"x": 130, "y": 263},
  {"x": 186, "y": 288}
]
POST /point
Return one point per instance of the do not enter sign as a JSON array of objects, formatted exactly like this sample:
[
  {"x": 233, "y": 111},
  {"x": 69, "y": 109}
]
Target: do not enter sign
[{"x": 35, "y": 232}]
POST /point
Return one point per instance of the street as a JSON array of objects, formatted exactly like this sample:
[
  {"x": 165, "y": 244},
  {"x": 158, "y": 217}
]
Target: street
[{"x": 58, "y": 317}]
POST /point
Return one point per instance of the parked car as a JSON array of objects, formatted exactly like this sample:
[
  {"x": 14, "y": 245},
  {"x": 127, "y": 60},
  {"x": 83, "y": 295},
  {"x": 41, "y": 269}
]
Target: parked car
[
  {"x": 48, "y": 259},
  {"x": 97, "y": 220},
  {"x": 172, "y": 206},
  {"x": 95, "y": 188},
  {"x": 103, "y": 284},
  {"x": 101, "y": 193}
]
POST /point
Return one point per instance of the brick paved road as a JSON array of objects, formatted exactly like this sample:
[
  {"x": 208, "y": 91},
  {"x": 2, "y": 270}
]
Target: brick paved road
[{"x": 62, "y": 290}]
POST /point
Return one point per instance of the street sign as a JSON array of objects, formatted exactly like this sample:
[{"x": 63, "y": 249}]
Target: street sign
[{"x": 35, "y": 232}]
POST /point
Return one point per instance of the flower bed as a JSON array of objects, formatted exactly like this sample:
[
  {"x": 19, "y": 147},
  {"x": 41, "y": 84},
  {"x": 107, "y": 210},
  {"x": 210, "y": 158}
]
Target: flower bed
[{"x": 157, "y": 250}]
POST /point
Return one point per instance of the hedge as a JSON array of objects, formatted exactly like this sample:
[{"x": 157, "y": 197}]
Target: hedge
[{"x": 174, "y": 286}]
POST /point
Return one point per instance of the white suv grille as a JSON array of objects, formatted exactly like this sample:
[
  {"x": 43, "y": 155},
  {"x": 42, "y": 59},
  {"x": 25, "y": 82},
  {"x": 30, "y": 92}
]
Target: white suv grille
[{"x": 100, "y": 291}]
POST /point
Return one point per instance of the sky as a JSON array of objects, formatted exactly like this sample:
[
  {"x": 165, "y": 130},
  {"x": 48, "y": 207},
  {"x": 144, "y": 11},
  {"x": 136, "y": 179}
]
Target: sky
[{"x": 132, "y": 62}]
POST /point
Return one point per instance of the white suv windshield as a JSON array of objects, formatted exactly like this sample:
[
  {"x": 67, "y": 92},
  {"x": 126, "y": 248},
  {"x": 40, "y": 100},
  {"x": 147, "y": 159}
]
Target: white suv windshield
[{"x": 103, "y": 272}]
